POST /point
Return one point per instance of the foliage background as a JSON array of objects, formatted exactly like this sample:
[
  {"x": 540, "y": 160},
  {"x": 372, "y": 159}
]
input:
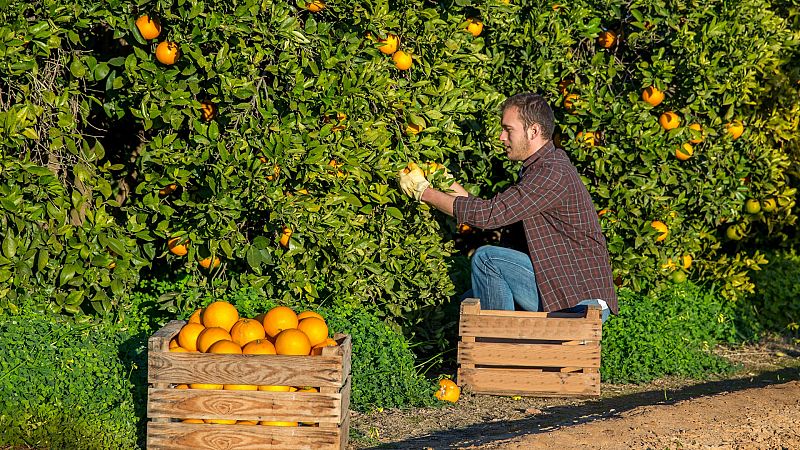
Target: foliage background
[{"x": 93, "y": 129}]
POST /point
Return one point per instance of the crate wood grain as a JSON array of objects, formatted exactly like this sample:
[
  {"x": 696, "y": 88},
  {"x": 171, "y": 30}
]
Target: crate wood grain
[
  {"x": 529, "y": 353},
  {"x": 324, "y": 415}
]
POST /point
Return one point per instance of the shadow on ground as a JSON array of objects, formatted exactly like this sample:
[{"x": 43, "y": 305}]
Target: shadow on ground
[{"x": 556, "y": 417}]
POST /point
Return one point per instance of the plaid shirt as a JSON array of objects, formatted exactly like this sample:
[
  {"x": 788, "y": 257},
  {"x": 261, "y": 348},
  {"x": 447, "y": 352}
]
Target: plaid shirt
[{"x": 565, "y": 241}]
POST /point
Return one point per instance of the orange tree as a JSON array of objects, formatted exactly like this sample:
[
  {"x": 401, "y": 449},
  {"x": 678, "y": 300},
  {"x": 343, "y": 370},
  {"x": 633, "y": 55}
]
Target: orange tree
[
  {"x": 689, "y": 172},
  {"x": 265, "y": 137}
]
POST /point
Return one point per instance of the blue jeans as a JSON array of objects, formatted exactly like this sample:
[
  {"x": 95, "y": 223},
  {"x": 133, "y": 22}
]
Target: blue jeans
[
  {"x": 502, "y": 277},
  {"x": 582, "y": 306}
]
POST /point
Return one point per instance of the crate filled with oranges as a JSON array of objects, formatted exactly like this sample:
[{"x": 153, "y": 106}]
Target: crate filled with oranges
[{"x": 278, "y": 380}]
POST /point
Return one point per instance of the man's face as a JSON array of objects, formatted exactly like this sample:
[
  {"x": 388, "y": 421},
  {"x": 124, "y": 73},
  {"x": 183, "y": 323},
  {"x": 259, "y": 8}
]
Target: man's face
[{"x": 514, "y": 136}]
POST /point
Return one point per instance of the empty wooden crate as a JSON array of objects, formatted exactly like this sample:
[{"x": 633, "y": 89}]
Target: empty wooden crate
[
  {"x": 322, "y": 416},
  {"x": 529, "y": 353}
]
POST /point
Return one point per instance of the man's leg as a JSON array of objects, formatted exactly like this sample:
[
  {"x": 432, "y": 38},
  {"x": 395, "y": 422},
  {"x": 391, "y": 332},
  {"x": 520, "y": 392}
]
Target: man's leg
[
  {"x": 582, "y": 306},
  {"x": 502, "y": 277}
]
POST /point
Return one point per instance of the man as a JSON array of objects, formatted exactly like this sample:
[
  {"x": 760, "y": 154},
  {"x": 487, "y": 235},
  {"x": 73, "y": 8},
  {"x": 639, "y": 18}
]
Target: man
[{"x": 567, "y": 265}]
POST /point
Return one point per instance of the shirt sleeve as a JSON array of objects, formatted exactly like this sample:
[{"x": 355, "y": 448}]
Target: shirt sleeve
[{"x": 535, "y": 193}]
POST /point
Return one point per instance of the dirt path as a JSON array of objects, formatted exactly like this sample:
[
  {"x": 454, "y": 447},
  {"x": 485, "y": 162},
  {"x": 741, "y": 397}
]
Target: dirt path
[
  {"x": 758, "y": 408},
  {"x": 763, "y": 418}
]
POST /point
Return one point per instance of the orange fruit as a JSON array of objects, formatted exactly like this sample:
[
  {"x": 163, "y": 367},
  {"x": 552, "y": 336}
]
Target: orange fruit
[
  {"x": 205, "y": 263},
  {"x": 587, "y": 138},
  {"x": 292, "y": 342},
  {"x": 735, "y": 128},
  {"x": 167, "y": 53},
  {"x": 150, "y": 28},
  {"x": 274, "y": 388},
  {"x": 309, "y": 313},
  {"x": 245, "y": 331},
  {"x": 569, "y": 102},
  {"x": 221, "y": 421},
  {"x": 448, "y": 391},
  {"x": 177, "y": 246},
  {"x": 315, "y": 329},
  {"x": 315, "y": 6},
  {"x": 402, "y": 60},
  {"x": 661, "y": 227},
  {"x": 317, "y": 349},
  {"x": 195, "y": 317},
  {"x": 475, "y": 27},
  {"x": 210, "y": 336},
  {"x": 563, "y": 85},
  {"x": 220, "y": 314},
  {"x": 240, "y": 387},
  {"x": 390, "y": 44},
  {"x": 192, "y": 421},
  {"x": 285, "y": 236},
  {"x": 276, "y": 170},
  {"x": 652, "y": 96},
  {"x": 182, "y": 386},
  {"x": 686, "y": 261},
  {"x": 464, "y": 228},
  {"x": 696, "y": 137},
  {"x": 278, "y": 424},
  {"x": 278, "y": 319},
  {"x": 207, "y": 111},
  {"x": 259, "y": 347},
  {"x": 751, "y": 206},
  {"x": 173, "y": 343},
  {"x": 168, "y": 189},
  {"x": 308, "y": 389},
  {"x": 246, "y": 422},
  {"x": 769, "y": 205},
  {"x": 187, "y": 337},
  {"x": 179, "y": 350},
  {"x": 669, "y": 120},
  {"x": 225, "y": 347},
  {"x": 607, "y": 38},
  {"x": 684, "y": 152},
  {"x": 206, "y": 386}
]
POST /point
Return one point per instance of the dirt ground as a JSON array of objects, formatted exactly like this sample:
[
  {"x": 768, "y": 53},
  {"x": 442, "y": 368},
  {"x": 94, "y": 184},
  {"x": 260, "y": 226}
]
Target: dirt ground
[{"x": 756, "y": 408}]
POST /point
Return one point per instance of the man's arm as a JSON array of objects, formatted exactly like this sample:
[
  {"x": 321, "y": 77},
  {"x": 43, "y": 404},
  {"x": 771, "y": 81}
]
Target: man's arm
[{"x": 444, "y": 201}]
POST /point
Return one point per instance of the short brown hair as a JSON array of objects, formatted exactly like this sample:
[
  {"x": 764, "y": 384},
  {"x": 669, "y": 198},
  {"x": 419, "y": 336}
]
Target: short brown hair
[{"x": 533, "y": 108}]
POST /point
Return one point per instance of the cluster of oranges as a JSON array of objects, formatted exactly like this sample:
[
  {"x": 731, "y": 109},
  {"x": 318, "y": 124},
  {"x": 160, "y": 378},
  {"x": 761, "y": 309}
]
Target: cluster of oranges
[
  {"x": 218, "y": 328},
  {"x": 670, "y": 120},
  {"x": 167, "y": 52},
  {"x": 653, "y": 96}
]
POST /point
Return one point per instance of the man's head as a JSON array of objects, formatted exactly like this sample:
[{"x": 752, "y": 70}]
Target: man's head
[{"x": 527, "y": 124}]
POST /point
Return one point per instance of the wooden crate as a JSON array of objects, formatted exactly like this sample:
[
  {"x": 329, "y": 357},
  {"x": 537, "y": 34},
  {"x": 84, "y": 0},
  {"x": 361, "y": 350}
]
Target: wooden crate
[
  {"x": 529, "y": 353},
  {"x": 323, "y": 416}
]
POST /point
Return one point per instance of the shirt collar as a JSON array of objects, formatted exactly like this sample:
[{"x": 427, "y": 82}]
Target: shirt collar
[{"x": 543, "y": 150}]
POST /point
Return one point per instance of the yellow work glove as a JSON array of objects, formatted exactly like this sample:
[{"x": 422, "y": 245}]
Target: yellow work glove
[{"x": 412, "y": 181}]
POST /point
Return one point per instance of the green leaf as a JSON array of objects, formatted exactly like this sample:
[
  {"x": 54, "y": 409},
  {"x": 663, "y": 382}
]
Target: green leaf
[{"x": 10, "y": 246}]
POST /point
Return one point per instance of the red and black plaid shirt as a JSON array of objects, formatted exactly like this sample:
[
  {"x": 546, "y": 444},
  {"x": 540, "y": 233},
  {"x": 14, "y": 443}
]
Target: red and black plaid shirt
[{"x": 565, "y": 240}]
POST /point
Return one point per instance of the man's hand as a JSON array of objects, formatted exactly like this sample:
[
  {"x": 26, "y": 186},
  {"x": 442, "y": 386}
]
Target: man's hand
[{"x": 412, "y": 181}]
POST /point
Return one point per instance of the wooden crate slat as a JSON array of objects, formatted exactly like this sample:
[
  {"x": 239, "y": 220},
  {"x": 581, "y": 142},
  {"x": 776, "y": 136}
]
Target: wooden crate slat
[
  {"x": 346, "y": 399},
  {"x": 346, "y": 351},
  {"x": 159, "y": 341},
  {"x": 473, "y": 306},
  {"x": 528, "y": 355},
  {"x": 173, "y": 367},
  {"x": 526, "y": 382},
  {"x": 344, "y": 437},
  {"x": 186, "y": 436},
  {"x": 529, "y": 327},
  {"x": 245, "y": 405}
]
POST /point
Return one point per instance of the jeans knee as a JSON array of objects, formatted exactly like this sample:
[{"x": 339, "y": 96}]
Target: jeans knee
[{"x": 481, "y": 259}]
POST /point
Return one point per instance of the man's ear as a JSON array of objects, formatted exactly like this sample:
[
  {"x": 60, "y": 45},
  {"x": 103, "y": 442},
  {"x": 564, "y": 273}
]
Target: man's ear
[{"x": 533, "y": 130}]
